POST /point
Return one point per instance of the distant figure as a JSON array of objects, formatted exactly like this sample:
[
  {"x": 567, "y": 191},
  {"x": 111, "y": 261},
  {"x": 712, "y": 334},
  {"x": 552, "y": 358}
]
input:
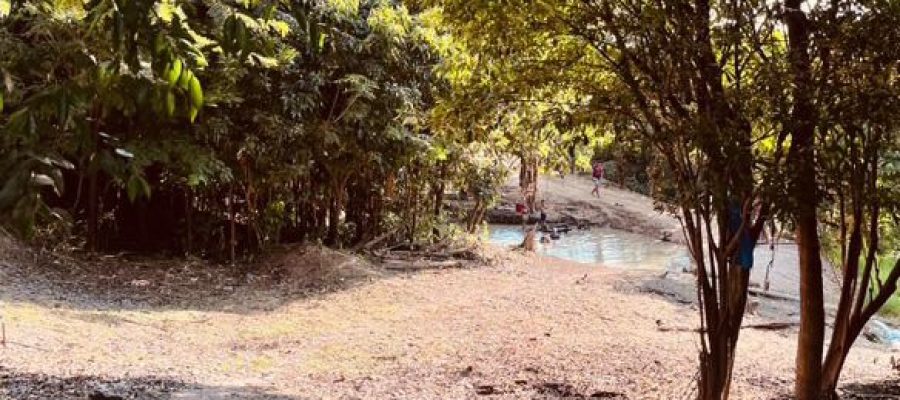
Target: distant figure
[
  {"x": 520, "y": 210},
  {"x": 545, "y": 239},
  {"x": 598, "y": 175}
]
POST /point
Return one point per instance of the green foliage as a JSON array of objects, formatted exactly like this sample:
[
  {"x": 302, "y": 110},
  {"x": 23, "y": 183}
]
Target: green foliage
[{"x": 290, "y": 120}]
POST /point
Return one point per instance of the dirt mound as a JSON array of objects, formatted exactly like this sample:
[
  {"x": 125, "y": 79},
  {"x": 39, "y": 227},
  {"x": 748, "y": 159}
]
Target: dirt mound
[
  {"x": 13, "y": 252},
  {"x": 310, "y": 266},
  {"x": 96, "y": 281}
]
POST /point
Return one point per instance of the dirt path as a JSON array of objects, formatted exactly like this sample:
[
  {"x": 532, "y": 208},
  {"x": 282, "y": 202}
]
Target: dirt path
[{"x": 523, "y": 328}]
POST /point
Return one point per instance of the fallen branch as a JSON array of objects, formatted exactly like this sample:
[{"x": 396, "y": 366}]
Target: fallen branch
[
  {"x": 767, "y": 326},
  {"x": 772, "y": 295},
  {"x": 400, "y": 265},
  {"x": 772, "y": 326},
  {"x": 376, "y": 240}
]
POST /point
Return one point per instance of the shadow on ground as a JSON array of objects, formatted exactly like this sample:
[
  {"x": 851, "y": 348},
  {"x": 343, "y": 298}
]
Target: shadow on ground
[
  {"x": 126, "y": 282},
  {"x": 889, "y": 389},
  {"x": 26, "y": 386},
  {"x": 878, "y": 390}
]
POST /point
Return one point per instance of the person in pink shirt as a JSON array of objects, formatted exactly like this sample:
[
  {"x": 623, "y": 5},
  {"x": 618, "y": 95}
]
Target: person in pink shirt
[{"x": 597, "y": 175}]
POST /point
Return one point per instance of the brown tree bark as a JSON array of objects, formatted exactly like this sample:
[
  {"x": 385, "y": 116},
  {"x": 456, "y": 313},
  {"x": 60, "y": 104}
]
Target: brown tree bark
[
  {"x": 336, "y": 206},
  {"x": 528, "y": 180},
  {"x": 438, "y": 196},
  {"x": 804, "y": 194},
  {"x": 93, "y": 217}
]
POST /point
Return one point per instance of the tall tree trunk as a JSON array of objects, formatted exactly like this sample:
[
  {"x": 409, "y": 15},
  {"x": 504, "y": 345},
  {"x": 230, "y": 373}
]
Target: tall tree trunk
[
  {"x": 232, "y": 229},
  {"x": 336, "y": 206},
  {"x": 334, "y": 221},
  {"x": 438, "y": 188},
  {"x": 812, "y": 308},
  {"x": 731, "y": 178},
  {"x": 188, "y": 212},
  {"x": 528, "y": 180},
  {"x": 93, "y": 207},
  {"x": 572, "y": 158},
  {"x": 805, "y": 197}
]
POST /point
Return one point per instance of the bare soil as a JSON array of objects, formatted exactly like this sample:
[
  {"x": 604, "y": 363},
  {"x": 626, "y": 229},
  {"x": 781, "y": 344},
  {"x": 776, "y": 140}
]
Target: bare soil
[
  {"x": 516, "y": 327},
  {"x": 315, "y": 323}
]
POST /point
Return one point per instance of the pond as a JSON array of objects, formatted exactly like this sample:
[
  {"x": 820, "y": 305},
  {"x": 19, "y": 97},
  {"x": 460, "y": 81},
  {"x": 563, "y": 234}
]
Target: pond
[{"x": 609, "y": 247}]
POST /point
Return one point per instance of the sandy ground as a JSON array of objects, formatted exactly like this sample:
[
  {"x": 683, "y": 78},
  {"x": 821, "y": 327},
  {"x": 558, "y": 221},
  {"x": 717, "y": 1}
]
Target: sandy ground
[{"x": 518, "y": 328}]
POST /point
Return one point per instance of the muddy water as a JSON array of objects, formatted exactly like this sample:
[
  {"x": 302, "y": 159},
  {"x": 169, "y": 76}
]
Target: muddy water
[{"x": 609, "y": 247}]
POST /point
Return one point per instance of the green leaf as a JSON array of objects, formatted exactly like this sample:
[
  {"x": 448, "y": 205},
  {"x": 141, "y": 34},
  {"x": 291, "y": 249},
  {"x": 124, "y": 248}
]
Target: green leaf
[
  {"x": 5, "y": 7},
  {"x": 133, "y": 188},
  {"x": 46, "y": 180},
  {"x": 174, "y": 72},
  {"x": 242, "y": 38},
  {"x": 58, "y": 181},
  {"x": 136, "y": 187},
  {"x": 196, "y": 93},
  {"x": 41, "y": 180},
  {"x": 194, "y": 180},
  {"x": 170, "y": 103},
  {"x": 1, "y": 101},
  {"x": 193, "y": 113},
  {"x": 185, "y": 79},
  {"x": 228, "y": 35},
  {"x": 281, "y": 27},
  {"x": 165, "y": 10},
  {"x": 159, "y": 43},
  {"x": 265, "y": 62}
]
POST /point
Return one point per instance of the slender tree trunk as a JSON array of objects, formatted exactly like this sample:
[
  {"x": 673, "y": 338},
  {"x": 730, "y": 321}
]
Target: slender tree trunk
[
  {"x": 93, "y": 208},
  {"x": 528, "y": 180},
  {"x": 572, "y": 159},
  {"x": 334, "y": 211},
  {"x": 439, "y": 188},
  {"x": 93, "y": 185},
  {"x": 805, "y": 197},
  {"x": 188, "y": 213},
  {"x": 232, "y": 229},
  {"x": 333, "y": 222},
  {"x": 834, "y": 362},
  {"x": 812, "y": 307}
]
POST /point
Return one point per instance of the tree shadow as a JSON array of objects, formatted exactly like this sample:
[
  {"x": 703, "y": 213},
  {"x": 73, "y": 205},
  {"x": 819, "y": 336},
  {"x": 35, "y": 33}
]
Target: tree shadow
[
  {"x": 127, "y": 282},
  {"x": 23, "y": 385},
  {"x": 887, "y": 389},
  {"x": 878, "y": 390}
]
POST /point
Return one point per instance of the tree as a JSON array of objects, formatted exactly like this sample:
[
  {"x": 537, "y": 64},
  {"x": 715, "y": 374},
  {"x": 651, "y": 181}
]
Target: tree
[
  {"x": 312, "y": 122},
  {"x": 689, "y": 79},
  {"x": 844, "y": 126}
]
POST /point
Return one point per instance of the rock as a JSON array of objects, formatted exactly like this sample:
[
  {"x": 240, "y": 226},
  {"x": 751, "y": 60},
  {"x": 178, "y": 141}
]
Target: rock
[
  {"x": 883, "y": 333},
  {"x": 752, "y": 307},
  {"x": 140, "y": 283}
]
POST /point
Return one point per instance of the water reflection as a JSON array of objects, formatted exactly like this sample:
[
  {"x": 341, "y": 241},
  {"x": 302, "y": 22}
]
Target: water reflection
[{"x": 605, "y": 246}]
